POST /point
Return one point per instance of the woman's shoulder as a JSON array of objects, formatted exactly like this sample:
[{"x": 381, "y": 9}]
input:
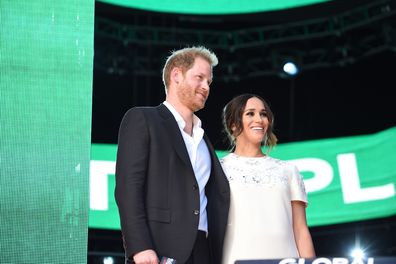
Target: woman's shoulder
[{"x": 226, "y": 158}]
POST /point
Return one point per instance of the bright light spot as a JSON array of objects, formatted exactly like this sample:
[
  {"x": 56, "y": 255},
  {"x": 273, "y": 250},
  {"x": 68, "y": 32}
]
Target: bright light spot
[
  {"x": 290, "y": 68},
  {"x": 357, "y": 253},
  {"x": 108, "y": 260}
]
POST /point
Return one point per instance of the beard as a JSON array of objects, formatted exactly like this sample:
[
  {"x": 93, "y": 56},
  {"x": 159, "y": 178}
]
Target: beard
[{"x": 189, "y": 97}]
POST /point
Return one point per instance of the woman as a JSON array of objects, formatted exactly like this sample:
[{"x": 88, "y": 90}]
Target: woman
[{"x": 267, "y": 217}]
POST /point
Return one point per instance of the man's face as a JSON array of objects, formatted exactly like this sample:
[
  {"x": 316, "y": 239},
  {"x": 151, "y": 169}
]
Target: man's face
[{"x": 193, "y": 90}]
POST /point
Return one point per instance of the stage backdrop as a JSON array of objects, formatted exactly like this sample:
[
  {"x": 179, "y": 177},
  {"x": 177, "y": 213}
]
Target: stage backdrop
[
  {"x": 46, "y": 60},
  {"x": 213, "y": 7},
  {"x": 347, "y": 179}
]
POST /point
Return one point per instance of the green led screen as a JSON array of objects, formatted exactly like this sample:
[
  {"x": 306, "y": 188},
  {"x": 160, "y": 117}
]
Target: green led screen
[
  {"x": 46, "y": 61},
  {"x": 347, "y": 179},
  {"x": 212, "y": 7}
]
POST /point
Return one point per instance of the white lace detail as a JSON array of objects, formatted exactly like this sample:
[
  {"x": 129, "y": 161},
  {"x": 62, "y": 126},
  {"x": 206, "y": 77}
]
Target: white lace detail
[{"x": 261, "y": 171}]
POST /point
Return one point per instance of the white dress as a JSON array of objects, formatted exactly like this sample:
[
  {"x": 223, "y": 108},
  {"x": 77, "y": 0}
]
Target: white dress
[{"x": 260, "y": 216}]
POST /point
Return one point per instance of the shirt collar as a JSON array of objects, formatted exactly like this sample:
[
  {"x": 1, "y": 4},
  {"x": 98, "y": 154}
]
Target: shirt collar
[{"x": 197, "y": 123}]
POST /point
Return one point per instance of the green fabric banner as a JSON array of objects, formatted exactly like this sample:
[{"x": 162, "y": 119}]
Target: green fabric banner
[{"x": 347, "y": 179}]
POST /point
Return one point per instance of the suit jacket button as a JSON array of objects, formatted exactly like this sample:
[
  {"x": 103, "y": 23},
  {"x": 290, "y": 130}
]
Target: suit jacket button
[
  {"x": 196, "y": 212},
  {"x": 195, "y": 187}
]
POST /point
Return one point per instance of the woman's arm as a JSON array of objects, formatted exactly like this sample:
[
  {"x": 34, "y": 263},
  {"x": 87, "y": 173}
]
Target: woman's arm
[{"x": 301, "y": 232}]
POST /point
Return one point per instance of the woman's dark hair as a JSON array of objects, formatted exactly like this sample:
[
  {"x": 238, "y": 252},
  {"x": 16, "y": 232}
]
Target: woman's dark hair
[{"x": 232, "y": 120}]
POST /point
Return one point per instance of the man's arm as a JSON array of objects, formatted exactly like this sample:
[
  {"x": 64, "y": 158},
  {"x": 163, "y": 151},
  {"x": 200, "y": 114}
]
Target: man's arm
[{"x": 131, "y": 170}]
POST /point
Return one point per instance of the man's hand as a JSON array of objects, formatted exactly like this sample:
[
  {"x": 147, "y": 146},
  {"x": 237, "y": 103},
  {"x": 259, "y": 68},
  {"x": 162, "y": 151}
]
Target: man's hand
[{"x": 146, "y": 257}]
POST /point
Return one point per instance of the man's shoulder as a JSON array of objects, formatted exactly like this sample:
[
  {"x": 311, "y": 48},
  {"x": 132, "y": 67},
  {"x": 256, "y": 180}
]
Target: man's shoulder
[{"x": 143, "y": 109}]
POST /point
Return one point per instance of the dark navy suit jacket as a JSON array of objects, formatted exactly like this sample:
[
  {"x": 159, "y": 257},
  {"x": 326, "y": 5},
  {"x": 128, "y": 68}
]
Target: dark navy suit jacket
[{"x": 156, "y": 190}]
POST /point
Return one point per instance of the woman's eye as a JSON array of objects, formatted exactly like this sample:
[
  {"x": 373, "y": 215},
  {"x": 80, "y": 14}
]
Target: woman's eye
[
  {"x": 250, "y": 113},
  {"x": 264, "y": 114}
]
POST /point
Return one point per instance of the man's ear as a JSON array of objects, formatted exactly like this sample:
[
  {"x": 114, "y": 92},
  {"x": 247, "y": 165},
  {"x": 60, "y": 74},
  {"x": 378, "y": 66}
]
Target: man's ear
[{"x": 176, "y": 75}]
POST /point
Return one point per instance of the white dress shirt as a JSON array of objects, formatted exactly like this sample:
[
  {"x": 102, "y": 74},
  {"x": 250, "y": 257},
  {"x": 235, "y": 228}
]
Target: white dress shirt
[{"x": 199, "y": 157}]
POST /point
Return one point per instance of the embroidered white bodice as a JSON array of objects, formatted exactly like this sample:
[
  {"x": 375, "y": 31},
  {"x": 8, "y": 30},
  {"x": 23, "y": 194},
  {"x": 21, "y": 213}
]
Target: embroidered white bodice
[{"x": 260, "y": 216}]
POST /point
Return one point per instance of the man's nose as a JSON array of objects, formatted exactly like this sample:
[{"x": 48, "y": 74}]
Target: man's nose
[{"x": 206, "y": 86}]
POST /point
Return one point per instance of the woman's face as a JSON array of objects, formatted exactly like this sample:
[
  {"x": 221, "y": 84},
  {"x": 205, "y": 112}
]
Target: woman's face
[{"x": 254, "y": 123}]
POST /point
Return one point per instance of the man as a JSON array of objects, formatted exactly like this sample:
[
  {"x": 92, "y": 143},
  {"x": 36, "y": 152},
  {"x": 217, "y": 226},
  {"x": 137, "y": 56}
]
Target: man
[{"x": 172, "y": 195}]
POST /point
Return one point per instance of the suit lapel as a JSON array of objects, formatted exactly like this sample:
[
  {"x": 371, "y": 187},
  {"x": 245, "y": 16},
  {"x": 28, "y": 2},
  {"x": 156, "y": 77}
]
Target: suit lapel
[{"x": 173, "y": 133}]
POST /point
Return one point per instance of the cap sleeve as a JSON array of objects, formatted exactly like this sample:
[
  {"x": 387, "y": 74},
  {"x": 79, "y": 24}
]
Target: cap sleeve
[{"x": 297, "y": 187}]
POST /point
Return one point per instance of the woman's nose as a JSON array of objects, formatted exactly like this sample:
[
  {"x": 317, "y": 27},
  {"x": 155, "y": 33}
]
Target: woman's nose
[{"x": 258, "y": 118}]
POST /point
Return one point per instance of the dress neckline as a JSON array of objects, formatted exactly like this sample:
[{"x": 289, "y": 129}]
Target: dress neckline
[{"x": 248, "y": 157}]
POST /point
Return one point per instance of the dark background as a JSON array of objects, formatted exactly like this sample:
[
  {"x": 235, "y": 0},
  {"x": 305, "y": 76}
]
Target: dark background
[{"x": 347, "y": 55}]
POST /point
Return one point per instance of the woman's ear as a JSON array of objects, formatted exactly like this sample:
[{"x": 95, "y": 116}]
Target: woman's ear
[{"x": 233, "y": 129}]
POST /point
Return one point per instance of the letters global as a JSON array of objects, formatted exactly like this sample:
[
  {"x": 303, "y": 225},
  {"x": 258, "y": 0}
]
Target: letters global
[{"x": 327, "y": 261}]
